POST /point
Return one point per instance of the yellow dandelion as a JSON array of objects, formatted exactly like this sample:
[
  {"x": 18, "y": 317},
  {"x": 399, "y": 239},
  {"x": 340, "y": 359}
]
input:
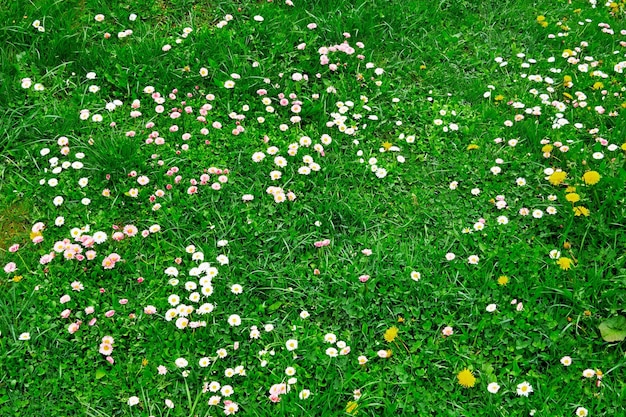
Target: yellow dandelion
[
  {"x": 547, "y": 148},
  {"x": 564, "y": 263},
  {"x": 391, "y": 334},
  {"x": 34, "y": 235},
  {"x": 387, "y": 145},
  {"x": 144, "y": 362},
  {"x": 567, "y": 79},
  {"x": 400, "y": 319},
  {"x": 541, "y": 18},
  {"x": 499, "y": 97},
  {"x": 572, "y": 197},
  {"x": 17, "y": 278},
  {"x": 624, "y": 144},
  {"x": 422, "y": 67},
  {"x": 557, "y": 177},
  {"x": 591, "y": 177},
  {"x": 567, "y": 95},
  {"x": 351, "y": 407},
  {"x": 466, "y": 378},
  {"x": 581, "y": 211},
  {"x": 544, "y": 24},
  {"x": 570, "y": 189},
  {"x": 472, "y": 146},
  {"x": 598, "y": 85},
  {"x": 503, "y": 280}
]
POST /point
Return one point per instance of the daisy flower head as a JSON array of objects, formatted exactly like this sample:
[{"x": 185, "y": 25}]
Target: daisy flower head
[
  {"x": 332, "y": 352},
  {"x": 582, "y": 412},
  {"x": 566, "y": 361},
  {"x": 555, "y": 254},
  {"x": 383, "y": 354},
  {"x": 291, "y": 345},
  {"x": 234, "y": 320},
  {"x": 524, "y": 389},
  {"x": 227, "y": 391},
  {"x": 493, "y": 388}
]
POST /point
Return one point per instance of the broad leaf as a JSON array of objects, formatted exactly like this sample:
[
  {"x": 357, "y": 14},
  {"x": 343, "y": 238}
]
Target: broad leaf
[{"x": 613, "y": 329}]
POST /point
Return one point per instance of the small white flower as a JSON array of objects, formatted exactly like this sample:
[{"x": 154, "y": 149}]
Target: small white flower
[
  {"x": 524, "y": 389},
  {"x": 291, "y": 344},
  {"x": 181, "y": 362},
  {"x": 332, "y": 352},
  {"x": 234, "y": 320},
  {"x": 582, "y": 412},
  {"x": 493, "y": 388}
]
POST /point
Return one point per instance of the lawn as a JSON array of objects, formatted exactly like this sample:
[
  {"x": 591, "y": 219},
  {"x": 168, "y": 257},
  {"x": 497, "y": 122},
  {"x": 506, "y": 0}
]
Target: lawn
[{"x": 313, "y": 208}]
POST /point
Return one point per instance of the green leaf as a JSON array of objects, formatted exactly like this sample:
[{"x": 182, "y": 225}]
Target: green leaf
[
  {"x": 100, "y": 373},
  {"x": 613, "y": 329},
  {"x": 275, "y": 306}
]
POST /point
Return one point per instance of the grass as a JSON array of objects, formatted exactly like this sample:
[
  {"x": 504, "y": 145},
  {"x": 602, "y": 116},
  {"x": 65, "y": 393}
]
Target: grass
[{"x": 413, "y": 171}]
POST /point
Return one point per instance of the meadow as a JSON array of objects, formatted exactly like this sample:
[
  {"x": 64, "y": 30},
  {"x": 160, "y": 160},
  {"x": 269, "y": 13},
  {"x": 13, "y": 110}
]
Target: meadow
[{"x": 320, "y": 208}]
